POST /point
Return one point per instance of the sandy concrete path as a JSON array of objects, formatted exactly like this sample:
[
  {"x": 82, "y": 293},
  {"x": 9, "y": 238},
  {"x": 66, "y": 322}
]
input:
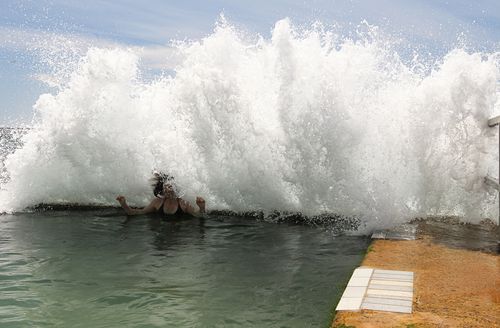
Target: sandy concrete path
[{"x": 452, "y": 287}]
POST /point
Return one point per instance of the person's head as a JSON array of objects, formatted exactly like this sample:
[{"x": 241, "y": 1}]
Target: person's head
[
  {"x": 169, "y": 190},
  {"x": 162, "y": 183}
]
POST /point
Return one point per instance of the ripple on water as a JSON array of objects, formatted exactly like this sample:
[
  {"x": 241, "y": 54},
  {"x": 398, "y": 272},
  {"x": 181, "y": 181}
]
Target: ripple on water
[{"x": 18, "y": 302}]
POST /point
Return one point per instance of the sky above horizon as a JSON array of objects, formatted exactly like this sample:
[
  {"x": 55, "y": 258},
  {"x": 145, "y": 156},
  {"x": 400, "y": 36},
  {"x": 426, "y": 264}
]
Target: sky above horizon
[{"x": 431, "y": 26}]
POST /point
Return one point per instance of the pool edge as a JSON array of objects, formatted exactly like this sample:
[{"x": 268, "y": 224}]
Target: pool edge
[{"x": 446, "y": 291}]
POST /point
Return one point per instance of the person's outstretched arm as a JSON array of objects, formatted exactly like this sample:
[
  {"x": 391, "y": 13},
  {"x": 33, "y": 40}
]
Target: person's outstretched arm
[
  {"x": 136, "y": 211},
  {"x": 188, "y": 208}
]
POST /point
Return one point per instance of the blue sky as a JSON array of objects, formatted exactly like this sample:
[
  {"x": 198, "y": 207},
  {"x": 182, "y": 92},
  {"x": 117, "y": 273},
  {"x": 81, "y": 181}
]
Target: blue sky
[{"x": 428, "y": 25}]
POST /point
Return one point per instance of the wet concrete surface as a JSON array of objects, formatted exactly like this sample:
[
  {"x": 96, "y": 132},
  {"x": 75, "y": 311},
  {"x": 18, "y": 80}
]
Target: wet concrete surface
[{"x": 455, "y": 234}]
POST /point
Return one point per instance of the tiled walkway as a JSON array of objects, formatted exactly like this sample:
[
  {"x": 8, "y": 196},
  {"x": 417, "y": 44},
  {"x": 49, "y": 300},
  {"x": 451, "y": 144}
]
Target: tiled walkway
[{"x": 382, "y": 290}]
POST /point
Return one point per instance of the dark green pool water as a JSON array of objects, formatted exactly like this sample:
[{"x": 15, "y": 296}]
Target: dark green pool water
[{"x": 98, "y": 269}]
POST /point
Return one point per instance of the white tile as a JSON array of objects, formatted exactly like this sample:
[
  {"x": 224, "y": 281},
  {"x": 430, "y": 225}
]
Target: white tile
[
  {"x": 362, "y": 272},
  {"x": 402, "y": 273},
  {"x": 389, "y": 293},
  {"x": 349, "y": 304},
  {"x": 388, "y": 287},
  {"x": 354, "y": 292},
  {"x": 358, "y": 281},
  {"x": 391, "y": 282},
  {"x": 406, "y": 276},
  {"x": 387, "y": 301},
  {"x": 384, "y": 307},
  {"x": 384, "y": 276}
]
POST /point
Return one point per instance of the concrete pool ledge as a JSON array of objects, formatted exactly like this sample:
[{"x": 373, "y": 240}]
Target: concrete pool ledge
[{"x": 452, "y": 287}]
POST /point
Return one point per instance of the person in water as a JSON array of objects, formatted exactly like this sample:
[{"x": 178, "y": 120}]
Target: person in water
[{"x": 166, "y": 202}]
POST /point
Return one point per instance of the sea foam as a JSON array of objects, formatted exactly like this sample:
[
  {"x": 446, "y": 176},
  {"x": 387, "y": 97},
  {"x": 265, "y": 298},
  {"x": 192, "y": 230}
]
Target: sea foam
[{"x": 305, "y": 121}]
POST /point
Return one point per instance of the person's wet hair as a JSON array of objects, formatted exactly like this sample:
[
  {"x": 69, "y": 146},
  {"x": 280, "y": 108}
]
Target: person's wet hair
[{"x": 158, "y": 180}]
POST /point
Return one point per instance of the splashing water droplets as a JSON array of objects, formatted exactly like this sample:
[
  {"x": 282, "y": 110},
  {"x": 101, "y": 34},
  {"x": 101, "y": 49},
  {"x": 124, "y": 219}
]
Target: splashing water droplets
[{"x": 305, "y": 121}]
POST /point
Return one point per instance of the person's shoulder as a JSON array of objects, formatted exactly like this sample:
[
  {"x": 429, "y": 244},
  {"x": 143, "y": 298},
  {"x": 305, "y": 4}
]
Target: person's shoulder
[{"x": 156, "y": 202}]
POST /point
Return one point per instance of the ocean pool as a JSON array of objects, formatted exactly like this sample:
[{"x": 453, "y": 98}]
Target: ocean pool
[{"x": 100, "y": 269}]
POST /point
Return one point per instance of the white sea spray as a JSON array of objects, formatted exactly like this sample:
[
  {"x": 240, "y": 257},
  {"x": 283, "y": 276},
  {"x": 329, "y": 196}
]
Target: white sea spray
[{"x": 305, "y": 121}]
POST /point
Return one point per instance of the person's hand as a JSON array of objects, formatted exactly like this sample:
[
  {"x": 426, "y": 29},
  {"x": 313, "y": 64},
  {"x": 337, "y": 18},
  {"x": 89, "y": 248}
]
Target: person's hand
[
  {"x": 121, "y": 199},
  {"x": 201, "y": 203}
]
